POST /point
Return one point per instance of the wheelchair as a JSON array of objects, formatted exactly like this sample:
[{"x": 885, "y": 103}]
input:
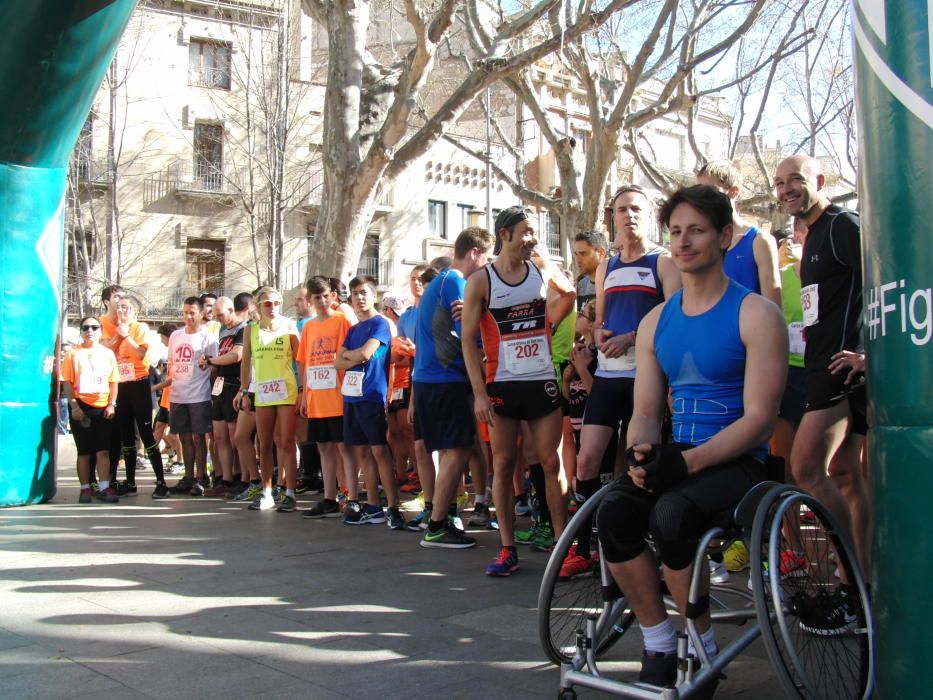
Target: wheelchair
[{"x": 580, "y": 619}]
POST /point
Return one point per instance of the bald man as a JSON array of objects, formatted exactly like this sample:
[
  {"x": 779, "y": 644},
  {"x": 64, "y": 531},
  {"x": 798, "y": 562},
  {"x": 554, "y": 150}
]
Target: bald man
[{"x": 826, "y": 456}]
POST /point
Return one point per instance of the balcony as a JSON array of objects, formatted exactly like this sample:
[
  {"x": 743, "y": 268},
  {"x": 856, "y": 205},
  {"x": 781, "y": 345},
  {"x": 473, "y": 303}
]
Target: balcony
[
  {"x": 92, "y": 172},
  {"x": 197, "y": 180},
  {"x": 312, "y": 193}
]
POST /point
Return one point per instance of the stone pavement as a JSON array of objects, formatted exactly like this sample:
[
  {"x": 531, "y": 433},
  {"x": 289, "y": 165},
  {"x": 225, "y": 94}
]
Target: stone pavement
[{"x": 200, "y": 598}]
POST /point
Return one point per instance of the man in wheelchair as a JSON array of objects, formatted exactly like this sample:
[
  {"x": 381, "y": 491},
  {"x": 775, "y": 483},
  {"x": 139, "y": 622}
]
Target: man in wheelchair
[{"x": 721, "y": 350}]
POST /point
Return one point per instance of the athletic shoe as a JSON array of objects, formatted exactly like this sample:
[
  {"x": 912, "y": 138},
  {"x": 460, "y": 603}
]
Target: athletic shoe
[
  {"x": 182, "y": 486},
  {"x": 108, "y": 495},
  {"x": 480, "y": 517},
  {"x": 736, "y": 557},
  {"x": 493, "y": 523},
  {"x": 543, "y": 539},
  {"x": 394, "y": 519},
  {"x": 86, "y": 496},
  {"x": 448, "y": 537},
  {"x": 522, "y": 508},
  {"x": 718, "y": 573},
  {"x": 419, "y": 522},
  {"x": 218, "y": 491},
  {"x": 197, "y": 489},
  {"x": 572, "y": 506},
  {"x": 412, "y": 486},
  {"x": 278, "y": 493},
  {"x": 287, "y": 504},
  {"x": 658, "y": 669},
  {"x": 793, "y": 565},
  {"x": 94, "y": 487},
  {"x": 126, "y": 489},
  {"x": 142, "y": 462},
  {"x": 505, "y": 564},
  {"x": 250, "y": 494},
  {"x": 262, "y": 502},
  {"x": 807, "y": 517},
  {"x": 526, "y": 536},
  {"x": 372, "y": 515},
  {"x": 827, "y": 614},
  {"x": 457, "y": 522},
  {"x": 161, "y": 491},
  {"x": 353, "y": 513},
  {"x": 237, "y": 488},
  {"x": 322, "y": 509},
  {"x": 574, "y": 565}
]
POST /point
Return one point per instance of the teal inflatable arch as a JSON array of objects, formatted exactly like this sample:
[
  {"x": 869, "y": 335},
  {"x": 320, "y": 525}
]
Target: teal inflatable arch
[{"x": 53, "y": 59}]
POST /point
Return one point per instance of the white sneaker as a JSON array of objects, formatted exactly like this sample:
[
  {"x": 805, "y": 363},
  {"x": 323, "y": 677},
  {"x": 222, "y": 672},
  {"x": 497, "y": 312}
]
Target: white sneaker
[
  {"x": 717, "y": 572},
  {"x": 263, "y": 502}
]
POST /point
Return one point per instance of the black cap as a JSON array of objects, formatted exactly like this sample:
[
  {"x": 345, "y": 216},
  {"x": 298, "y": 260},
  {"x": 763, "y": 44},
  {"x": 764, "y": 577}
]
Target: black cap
[{"x": 507, "y": 218}]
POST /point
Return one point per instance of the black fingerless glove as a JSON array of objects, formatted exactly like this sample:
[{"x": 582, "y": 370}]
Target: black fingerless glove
[{"x": 664, "y": 466}]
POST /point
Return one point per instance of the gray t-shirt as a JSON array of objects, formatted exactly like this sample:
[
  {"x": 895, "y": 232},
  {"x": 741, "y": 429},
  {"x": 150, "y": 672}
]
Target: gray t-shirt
[
  {"x": 190, "y": 383},
  {"x": 586, "y": 290}
]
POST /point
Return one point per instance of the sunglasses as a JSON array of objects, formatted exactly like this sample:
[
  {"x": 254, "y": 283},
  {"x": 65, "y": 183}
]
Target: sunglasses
[
  {"x": 90, "y": 328},
  {"x": 270, "y": 304}
]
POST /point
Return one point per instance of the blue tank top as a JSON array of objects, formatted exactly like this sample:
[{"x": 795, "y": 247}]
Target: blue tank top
[
  {"x": 630, "y": 291},
  {"x": 740, "y": 264},
  {"x": 704, "y": 360}
]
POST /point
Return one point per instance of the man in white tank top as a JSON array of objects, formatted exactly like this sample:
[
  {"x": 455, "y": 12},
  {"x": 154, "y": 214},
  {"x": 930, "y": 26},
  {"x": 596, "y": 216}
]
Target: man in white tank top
[{"x": 506, "y": 303}]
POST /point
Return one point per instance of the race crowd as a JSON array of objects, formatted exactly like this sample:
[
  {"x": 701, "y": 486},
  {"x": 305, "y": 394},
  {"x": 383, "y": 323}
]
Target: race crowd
[{"x": 670, "y": 374}]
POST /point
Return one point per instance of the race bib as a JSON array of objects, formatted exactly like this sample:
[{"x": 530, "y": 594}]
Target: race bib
[
  {"x": 810, "y": 303},
  {"x": 182, "y": 369},
  {"x": 321, "y": 377},
  {"x": 795, "y": 335},
  {"x": 93, "y": 383},
  {"x": 218, "y": 386},
  {"x": 127, "y": 372},
  {"x": 271, "y": 391},
  {"x": 617, "y": 364},
  {"x": 352, "y": 384},
  {"x": 398, "y": 394},
  {"x": 527, "y": 355}
]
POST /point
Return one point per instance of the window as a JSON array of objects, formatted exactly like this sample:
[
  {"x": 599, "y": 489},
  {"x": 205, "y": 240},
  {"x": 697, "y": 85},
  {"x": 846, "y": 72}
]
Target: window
[
  {"x": 209, "y": 64},
  {"x": 369, "y": 258},
  {"x": 466, "y": 220},
  {"x": 437, "y": 218},
  {"x": 208, "y": 156},
  {"x": 205, "y": 264},
  {"x": 553, "y": 233}
]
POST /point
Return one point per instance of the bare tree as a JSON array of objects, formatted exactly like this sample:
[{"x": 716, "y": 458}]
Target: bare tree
[
  {"x": 371, "y": 105},
  {"x": 648, "y": 61}
]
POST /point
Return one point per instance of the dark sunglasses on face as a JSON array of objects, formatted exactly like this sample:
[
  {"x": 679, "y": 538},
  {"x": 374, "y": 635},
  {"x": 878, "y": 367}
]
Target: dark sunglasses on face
[
  {"x": 90, "y": 327},
  {"x": 270, "y": 304}
]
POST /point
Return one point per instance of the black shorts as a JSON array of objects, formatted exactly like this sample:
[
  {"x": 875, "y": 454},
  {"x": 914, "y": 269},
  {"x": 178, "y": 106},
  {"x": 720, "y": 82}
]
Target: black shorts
[
  {"x": 325, "y": 429},
  {"x": 364, "y": 423},
  {"x": 526, "y": 400},
  {"x": 444, "y": 415},
  {"x": 192, "y": 418},
  {"x": 161, "y": 415},
  {"x": 401, "y": 403},
  {"x": 825, "y": 390},
  {"x": 795, "y": 395},
  {"x": 222, "y": 405},
  {"x": 610, "y": 402},
  {"x": 97, "y": 436}
]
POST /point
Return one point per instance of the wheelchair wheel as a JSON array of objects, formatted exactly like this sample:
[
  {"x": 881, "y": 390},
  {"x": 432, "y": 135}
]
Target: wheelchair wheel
[
  {"x": 565, "y": 605},
  {"x": 817, "y": 631}
]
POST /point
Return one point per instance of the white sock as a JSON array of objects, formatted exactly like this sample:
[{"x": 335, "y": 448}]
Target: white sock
[
  {"x": 290, "y": 492},
  {"x": 103, "y": 485},
  {"x": 267, "y": 493},
  {"x": 662, "y": 637},
  {"x": 709, "y": 644},
  {"x": 480, "y": 499},
  {"x": 85, "y": 486}
]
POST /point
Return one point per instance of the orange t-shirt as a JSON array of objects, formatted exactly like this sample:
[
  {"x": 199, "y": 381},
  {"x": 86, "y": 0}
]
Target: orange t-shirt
[
  {"x": 108, "y": 328},
  {"x": 320, "y": 340},
  {"x": 131, "y": 367},
  {"x": 165, "y": 401},
  {"x": 90, "y": 372}
]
